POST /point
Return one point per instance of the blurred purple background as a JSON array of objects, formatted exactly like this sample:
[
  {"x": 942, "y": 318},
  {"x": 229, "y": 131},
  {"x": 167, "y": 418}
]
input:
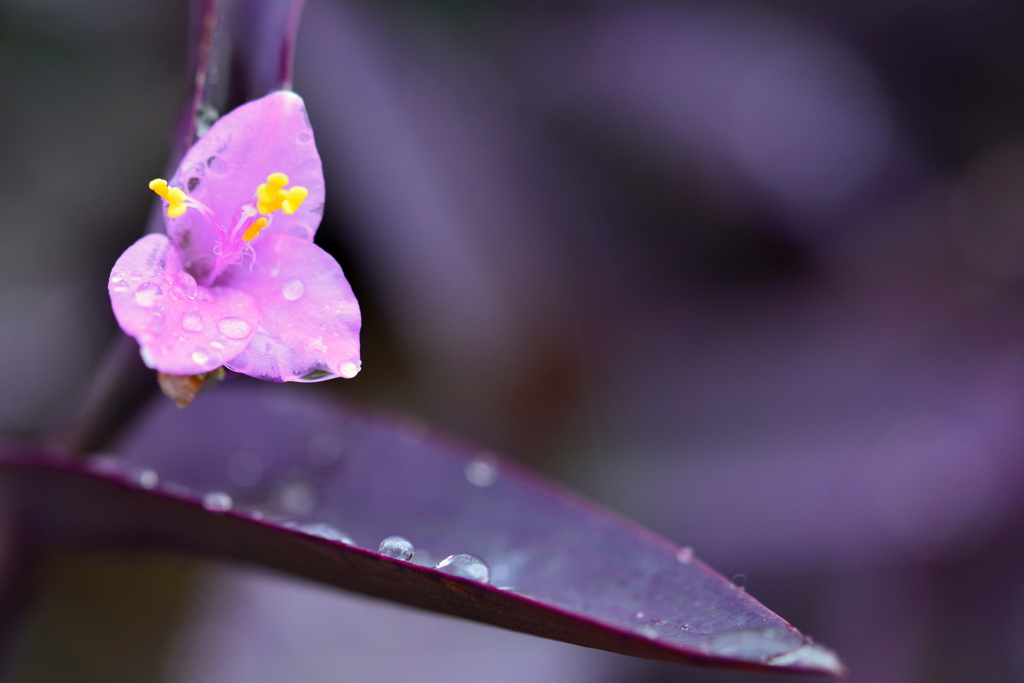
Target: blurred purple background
[{"x": 750, "y": 274}]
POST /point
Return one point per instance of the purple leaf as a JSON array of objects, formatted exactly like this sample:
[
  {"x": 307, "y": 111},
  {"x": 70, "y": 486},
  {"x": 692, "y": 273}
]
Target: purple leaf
[{"x": 271, "y": 476}]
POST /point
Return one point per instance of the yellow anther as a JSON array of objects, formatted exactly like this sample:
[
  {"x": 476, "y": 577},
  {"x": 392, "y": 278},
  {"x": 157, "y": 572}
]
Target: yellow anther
[
  {"x": 294, "y": 199},
  {"x": 271, "y": 196},
  {"x": 174, "y": 196},
  {"x": 253, "y": 231}
]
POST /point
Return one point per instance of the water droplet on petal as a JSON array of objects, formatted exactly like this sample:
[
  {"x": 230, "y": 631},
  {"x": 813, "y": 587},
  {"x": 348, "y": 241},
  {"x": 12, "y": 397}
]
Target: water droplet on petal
[
  {"x": 304, "y": 138},
  {"x": 234, "y": 328},
  {"x": 293, "y": 289},
  {"x": 200, "y": 357},
  {"x": 147, "y": 294},
  {"x": 685, "y": 555},
  {"x": 193, "y": 322},
  {"x": 147, "y": 357},
  {"x": 118, "y": 284},
  {"x": 348, "y": 370},
  {"x": 466, "y": 566},
  {"x": 184, "y": 285},
  {"x": 217, "y": 501},
  {"x": 397, "y": 548},
  {"x": 482, "y": 471},
  {"x": 156, "y": 323},
  {"x": 148, "y": 479},
  {"x": 326, "y": 531}
]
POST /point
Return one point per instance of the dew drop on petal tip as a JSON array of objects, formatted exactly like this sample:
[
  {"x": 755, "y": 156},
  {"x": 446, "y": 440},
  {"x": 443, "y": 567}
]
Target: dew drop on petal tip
[
  {"x": 200, "y": 357},
  {"x": 217, "y": 501},
  {"x": 147, "y": 294},
  {"x": 293, "y": 289},
  {"x": 397, "y": 548},
  {"x": 147, "y": 357},
  {"x": 685, "y": 555},
  {"x": 348, "y": 370},
  {"x": 193, "y": 322},
  {"x": 234, "y": 328},
  {"x": 466, "y": 566}
]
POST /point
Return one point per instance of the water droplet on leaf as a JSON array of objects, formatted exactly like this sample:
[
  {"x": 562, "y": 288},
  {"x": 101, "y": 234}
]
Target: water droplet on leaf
[
  {"x": 293, "y": 289},
  {"x": 217, "y": 501},
  {"x": 148, "y": 479},
  {"x": 397, "y": 548},
  {"x": 647, "y": 631},
  {"x": 466, "y": 566},
  {"x": 482, "y": 471}
]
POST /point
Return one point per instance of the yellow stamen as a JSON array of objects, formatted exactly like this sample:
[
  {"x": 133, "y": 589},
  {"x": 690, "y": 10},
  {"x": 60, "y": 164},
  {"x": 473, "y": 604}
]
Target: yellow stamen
[
  {"x": 271, "y": 196},
  {"x": 174, "y": 196},
  {"x": 253, "y": 231}
]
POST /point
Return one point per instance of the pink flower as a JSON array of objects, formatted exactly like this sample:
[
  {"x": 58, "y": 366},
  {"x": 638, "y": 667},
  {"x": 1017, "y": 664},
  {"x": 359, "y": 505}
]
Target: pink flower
[{"x": 237, "y": 280}]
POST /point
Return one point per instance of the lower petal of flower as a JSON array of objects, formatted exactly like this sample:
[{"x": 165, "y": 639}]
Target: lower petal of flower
[
  {"x": 309, "y": 318},
  {"x": 182, "y": 328}
]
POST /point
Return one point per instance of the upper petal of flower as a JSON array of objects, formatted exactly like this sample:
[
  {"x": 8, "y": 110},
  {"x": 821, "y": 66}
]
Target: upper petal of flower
[
  {"x": 309, "y": 318},
  {"x": 224, "y": 168},
  {"x": 183, "y": 329}
]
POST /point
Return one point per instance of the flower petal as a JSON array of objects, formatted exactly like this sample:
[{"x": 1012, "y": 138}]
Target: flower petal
[
  {"x": 224, "y": 168},
  {"x": 183, "y": 329},
  {"x": 309, "y": 318}
]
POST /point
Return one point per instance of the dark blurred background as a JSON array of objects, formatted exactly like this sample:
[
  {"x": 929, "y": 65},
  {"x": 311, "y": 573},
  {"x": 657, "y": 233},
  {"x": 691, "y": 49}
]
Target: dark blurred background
[{"x": 750, "y": 273}]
